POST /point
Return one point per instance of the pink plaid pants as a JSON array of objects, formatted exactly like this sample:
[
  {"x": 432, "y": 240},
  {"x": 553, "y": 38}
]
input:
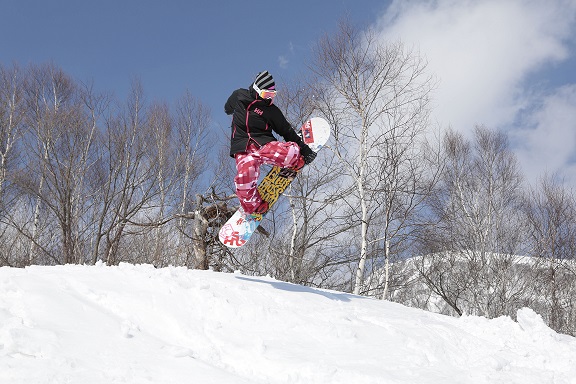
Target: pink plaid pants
[{"x": 282, "y": 154}]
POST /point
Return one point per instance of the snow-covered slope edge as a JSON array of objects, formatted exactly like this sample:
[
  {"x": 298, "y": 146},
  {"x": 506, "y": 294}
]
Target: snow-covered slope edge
[{"x": 138, "y": 324}]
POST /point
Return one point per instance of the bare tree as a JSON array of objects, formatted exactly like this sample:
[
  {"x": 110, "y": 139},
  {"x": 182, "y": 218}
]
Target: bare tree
[
  {"x": 551, "y": 214},
  {"x": 58, "y": 156},
  {"x": 191, "y": 123},
  {"x": 93, "y": 181},
  {"x": 127, "y": 175},
  {"x": 470, "y": 251},
  {"x": 377, "y": 97},
  {"x": 163, "y": 150},
  {"x": 12, "y": 109},
  {"x": 182, "y": 221},
  {"x": 11, "y": 118}
]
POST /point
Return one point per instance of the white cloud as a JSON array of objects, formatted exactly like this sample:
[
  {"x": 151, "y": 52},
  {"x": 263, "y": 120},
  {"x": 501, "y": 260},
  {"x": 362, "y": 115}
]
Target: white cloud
[
  {"x": 547, "y": 139},
  {"x": 484, "y": 53},
  {"x": 283, "y": 61}
]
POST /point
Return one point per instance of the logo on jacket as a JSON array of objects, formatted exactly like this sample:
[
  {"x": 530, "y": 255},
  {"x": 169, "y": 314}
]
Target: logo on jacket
[{"x": 258, "y": 111}]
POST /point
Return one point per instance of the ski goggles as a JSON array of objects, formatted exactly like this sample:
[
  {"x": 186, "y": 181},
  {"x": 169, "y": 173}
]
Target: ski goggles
[{"x": 265, "y": 93}]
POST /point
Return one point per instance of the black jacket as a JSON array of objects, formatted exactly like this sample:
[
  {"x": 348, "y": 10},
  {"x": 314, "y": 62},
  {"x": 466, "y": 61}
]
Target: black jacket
[{"x": 256, "y": 119}]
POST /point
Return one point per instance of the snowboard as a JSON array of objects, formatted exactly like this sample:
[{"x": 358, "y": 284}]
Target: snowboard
[{"x": 240, "y": 227}]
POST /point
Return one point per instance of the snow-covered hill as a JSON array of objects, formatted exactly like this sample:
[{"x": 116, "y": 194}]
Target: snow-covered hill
[{"x": 137, "y": 324}]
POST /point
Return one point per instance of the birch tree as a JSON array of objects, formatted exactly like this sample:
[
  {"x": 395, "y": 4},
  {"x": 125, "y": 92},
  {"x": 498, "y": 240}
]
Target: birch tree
[
  {"x": 127, "y": 175},
  {"x": 12, "y": 111},
  {"x": 11, "y": 118},
  {"x": 376, "y": 96},
  {"x": 191, "y": 124},
  {"x": 551, "y": 218},
  {"x": 163, "y": 151},
  {"x": 478, "y": 226},
  {"x": 60, "y": 141}
]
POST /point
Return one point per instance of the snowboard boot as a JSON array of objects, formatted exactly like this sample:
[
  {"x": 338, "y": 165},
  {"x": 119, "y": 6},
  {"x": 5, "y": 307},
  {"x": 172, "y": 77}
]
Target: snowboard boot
[{"x": 260, "y": 211}]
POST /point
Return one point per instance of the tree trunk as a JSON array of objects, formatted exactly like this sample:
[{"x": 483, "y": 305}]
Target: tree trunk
[{"x": 199, "y": 234}]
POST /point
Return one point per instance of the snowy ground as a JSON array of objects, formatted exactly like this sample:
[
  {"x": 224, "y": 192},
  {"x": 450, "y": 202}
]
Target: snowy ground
[{"x": 137, "y": 324}]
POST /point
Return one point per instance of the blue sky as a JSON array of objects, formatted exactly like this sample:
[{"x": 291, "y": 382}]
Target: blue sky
[
  {"x": 508, "y": 65},
  {"x": 209, "y": 47}
]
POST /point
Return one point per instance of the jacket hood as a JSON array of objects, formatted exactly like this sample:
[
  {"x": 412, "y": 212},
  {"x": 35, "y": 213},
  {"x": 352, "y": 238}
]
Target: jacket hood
[{"x": 245, "y": 96}]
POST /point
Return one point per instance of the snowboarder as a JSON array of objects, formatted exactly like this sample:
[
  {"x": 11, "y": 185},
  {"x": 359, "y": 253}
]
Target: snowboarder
[{"x": 254, "y": 118}]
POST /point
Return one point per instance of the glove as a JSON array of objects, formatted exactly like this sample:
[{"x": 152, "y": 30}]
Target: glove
[{"x": 308, "y": 154}]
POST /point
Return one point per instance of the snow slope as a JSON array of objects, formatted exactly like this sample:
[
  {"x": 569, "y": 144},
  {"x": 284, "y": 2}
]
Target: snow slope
[{"x": 137, "y": 324}]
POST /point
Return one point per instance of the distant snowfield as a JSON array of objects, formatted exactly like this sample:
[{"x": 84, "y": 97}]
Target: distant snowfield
[{"x": 138, "y": 324}]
